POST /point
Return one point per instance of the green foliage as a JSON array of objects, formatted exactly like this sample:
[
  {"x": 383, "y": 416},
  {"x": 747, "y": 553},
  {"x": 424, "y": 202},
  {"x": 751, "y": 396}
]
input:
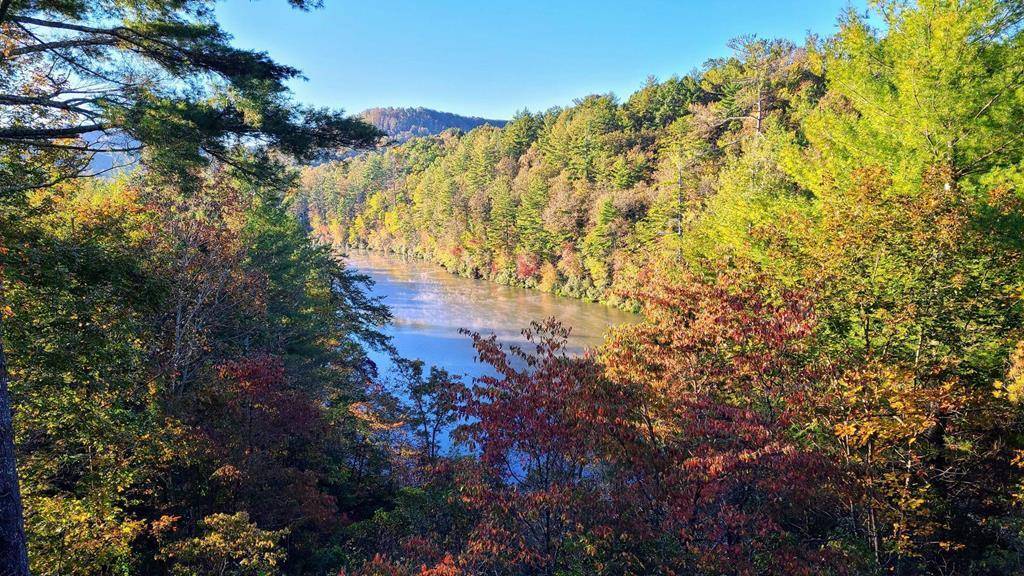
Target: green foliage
[
  {"x": 230, "y": 545},
  {"x": 77, "y": 300},
  {"x": 158, "y": 78},
  {"x": 179, "y": 355},
  {"x": 657, "y": 158}
]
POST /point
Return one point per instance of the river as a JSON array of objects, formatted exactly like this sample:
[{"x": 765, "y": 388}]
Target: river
[{"x": 430, "y": 305}]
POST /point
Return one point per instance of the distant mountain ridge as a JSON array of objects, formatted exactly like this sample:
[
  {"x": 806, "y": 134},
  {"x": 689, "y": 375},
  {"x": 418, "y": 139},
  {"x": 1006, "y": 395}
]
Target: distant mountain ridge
[
  {"x": 405, "y": 123},
  {"x": 399, "y": 123}
]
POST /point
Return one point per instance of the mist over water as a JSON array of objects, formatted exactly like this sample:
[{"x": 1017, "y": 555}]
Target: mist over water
[{"x": 430, "y": 305}]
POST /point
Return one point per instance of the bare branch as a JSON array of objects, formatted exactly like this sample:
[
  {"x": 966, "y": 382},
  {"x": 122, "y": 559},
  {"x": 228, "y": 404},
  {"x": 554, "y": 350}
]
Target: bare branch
[
  {"x": 93, "y": 147},
  {"x": 16, "y": 100},
  {"x": 18, "y": 134},
  {"x": 58, "y": 45},
  {"x": 67, "y": 26}
]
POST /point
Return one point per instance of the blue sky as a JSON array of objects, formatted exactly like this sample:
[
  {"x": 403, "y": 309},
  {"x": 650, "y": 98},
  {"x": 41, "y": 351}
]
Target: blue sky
[{"x": 492, "y": 57}]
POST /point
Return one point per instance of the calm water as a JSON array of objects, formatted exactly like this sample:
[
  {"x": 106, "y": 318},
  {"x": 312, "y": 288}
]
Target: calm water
[{"x": 430, "y": 306}]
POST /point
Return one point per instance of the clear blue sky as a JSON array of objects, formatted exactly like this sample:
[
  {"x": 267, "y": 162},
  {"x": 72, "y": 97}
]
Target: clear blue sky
[{"x": 492, "y": 57}]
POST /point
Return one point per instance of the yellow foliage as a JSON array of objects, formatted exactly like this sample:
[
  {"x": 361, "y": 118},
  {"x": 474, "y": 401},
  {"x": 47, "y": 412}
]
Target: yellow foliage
[
  {"x": 364, "y": 411},
  {"x": 70, "y": 537},
  {"x": 548, "y": 277},
  {"x": 1013, "y": 388}
]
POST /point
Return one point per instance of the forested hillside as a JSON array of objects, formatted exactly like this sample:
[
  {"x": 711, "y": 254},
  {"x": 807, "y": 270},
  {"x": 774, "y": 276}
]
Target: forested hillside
[
  {"x": 700, "y": 167},
  {"x": 824, "y": 241},
  {"x": 575, "y": 200},
  {"x": 405, "y": 123}
]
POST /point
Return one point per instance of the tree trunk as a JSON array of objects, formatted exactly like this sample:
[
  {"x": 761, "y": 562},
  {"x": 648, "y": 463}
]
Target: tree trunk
[
  {"x": 13, "y": 552},
  {"x": 5, "y": 7}
]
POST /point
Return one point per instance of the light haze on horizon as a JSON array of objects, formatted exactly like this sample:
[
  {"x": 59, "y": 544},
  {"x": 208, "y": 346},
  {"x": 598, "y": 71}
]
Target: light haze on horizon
[{"x": 493, "y": 58}]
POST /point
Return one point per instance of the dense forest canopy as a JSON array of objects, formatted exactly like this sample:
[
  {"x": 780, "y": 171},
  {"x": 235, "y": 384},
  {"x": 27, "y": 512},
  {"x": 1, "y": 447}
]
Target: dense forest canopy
[
  {"x": 571, "y": 200},
  {"x": 824, "y": 241}
]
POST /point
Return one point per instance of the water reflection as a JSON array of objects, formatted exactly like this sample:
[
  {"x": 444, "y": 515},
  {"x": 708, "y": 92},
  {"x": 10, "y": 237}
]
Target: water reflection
[{"x": 430, "y": 306}]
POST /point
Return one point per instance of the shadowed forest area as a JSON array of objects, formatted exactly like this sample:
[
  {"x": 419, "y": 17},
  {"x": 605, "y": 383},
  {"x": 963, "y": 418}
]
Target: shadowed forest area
[{"x": 824, "y": 242}]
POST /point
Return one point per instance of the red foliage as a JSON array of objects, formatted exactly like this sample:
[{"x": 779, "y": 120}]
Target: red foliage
[
  {"x": 377, "y": 566},
  {"x": 255, "y": 420},
  {"x": 446, "y": 567},
  {"x": 719, "y": 337},
  {"x": 678, "y": 434},
  {"x": 527, "y": 412},
  {"x": 670, "y": 452},
  {"x": 696, "y": 411},
  {"x": 257, "y": 391},
  {"x": 534, "y": 487},
  {"x": 527, "y": 265}
]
